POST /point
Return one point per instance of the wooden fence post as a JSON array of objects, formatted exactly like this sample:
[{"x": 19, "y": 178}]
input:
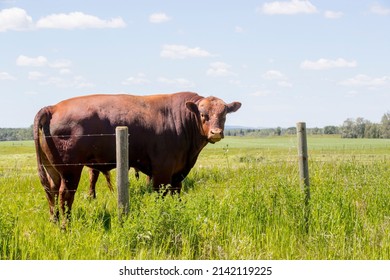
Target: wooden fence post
[
  {"x": 122, "y": 169},
  {"x": 304, "y": 170}
]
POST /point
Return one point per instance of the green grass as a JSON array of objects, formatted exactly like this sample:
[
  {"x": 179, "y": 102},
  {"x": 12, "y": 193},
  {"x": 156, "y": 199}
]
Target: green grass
[{"x": 242, "y": 200}]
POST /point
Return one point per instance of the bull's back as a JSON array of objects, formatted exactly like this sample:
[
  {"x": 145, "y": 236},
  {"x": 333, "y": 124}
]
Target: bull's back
[
  {"x": 102, "y": 113},
  {"x": 116, "y": 110}
]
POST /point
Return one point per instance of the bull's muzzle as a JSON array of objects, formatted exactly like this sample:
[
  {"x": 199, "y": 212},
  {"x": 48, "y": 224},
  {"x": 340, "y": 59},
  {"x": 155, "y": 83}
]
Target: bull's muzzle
[{"x": 215, "y": 135}]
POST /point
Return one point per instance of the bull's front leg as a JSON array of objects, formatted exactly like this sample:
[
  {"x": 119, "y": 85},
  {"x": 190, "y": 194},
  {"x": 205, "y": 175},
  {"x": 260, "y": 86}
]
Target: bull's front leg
[
  {"x": 166, "y": 185},
  {"x": 175, "y": 187}
]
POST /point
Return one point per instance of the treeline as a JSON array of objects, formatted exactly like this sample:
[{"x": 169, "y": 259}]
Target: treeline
[
  {"x": 279, "y": 131},
  {"x": 351, "y": 128},
  {"x": 16, "y": 134},
  {"x": 361, "y": 128}
]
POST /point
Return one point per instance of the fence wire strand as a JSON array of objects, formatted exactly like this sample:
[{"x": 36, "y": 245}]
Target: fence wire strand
[{"x": 77, "y": 135}]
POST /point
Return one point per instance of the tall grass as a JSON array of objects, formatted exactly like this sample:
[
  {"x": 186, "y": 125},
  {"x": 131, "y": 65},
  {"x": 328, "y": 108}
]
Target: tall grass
[{"x": 241, "y": 201}]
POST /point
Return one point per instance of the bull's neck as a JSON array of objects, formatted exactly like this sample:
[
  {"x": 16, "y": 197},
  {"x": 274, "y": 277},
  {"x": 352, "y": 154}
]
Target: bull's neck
[{"x": 194, "y": 131}]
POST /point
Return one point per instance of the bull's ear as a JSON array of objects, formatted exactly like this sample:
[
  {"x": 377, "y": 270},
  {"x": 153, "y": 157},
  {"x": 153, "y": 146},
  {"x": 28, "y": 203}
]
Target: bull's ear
[
  {"x": 192, "y": 107},
  {"x": 232, "y": 107}
]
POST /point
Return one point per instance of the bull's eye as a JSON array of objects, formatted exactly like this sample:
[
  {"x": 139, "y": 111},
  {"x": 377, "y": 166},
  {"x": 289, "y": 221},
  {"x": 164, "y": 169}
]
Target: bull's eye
[{"x": 205, "y": 117}]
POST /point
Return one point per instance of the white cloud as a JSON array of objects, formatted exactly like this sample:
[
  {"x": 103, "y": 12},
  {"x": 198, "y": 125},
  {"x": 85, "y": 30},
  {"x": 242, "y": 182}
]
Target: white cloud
[
  {"x": 282, "y": 80},
  {"x": 366, "y": 81},
  {"x": 181, "y": 52},
  {"x": 35, "y": 75},
  {"x": 323, "y": 64},
  {"x": 159, "y": 18},
  {"x": 379, "y": 10},
  {"x": 219, "y": 69},
  {"x": 285, "y": 84},
  {"x": 18, "y": 19},
  {"x": 15, "y": 19},
  {"x": 65, "y": 71},
  {"x": 261, "y": 93},
  {"x": 6, "y": 76},
  {"x": 179, "y": 82},
  {"x": 81, "y": 82},
  {"x": 60, "y": 63},
  {"x": 38, "y": 61},
  {"x": 140, "y": 79},
  {"x": 273, "y": 75},
  {"x": 333, "y": 14},
  {"x": 238, "y": 29},
  {"x": 288, "y": 7},
  {"x": 42, "y": 61},
  {"x": 64, "y": 82},
  {"x": 78, "y": 20},
  {"x": 55, "y": 81}
]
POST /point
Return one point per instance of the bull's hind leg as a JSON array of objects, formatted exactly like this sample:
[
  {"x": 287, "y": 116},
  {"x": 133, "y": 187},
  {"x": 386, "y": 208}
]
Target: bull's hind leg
[
  {"x": 52, "y": 198},
  {"x": 52, "y": 186},
  {"x": 69, "y": 183},
  {"x": 93, "y": 177}
]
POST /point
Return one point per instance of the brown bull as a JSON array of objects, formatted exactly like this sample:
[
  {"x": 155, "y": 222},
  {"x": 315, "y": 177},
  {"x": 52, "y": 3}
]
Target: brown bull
[{"x": 167, "y": 133}]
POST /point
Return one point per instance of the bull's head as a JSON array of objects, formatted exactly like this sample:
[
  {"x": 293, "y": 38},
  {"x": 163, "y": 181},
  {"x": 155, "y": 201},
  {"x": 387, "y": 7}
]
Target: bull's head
[{"x": 211, "y": 112}]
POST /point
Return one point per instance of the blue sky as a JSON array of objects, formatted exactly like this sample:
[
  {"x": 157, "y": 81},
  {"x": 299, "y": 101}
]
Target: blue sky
[{"x": 287, "y": 61}]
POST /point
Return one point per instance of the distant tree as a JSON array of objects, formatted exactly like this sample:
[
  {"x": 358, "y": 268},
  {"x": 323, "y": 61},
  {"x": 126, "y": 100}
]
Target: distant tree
[
  {"x": 291, "y": 131},
  {"x": 316, "y": 131},
  {"x": 16, "y": 134},
  {"x": 330, "y": 129},
  {"x": 348, "y": 129},
  {"x": 372, "y": 130},
  {"x": 385, "y": 126},
  {"x": 360, "y": 127}
]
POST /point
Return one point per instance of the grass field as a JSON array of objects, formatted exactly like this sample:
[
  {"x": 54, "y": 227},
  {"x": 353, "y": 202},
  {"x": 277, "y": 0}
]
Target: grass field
[{"x": 242, "y": 200}]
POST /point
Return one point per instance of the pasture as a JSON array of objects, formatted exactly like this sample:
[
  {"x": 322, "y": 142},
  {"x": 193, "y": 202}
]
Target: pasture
[{"x": 242, "y": 200}]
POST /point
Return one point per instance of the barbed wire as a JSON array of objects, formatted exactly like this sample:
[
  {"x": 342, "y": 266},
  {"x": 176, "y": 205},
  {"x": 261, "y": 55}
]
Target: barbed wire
[
  {"x": 78, "y": 164},
  {"x": 78, "y": 135}
]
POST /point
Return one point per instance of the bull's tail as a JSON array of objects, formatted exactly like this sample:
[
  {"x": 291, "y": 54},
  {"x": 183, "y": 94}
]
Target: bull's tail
[{"x": 41, "y": 123}]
